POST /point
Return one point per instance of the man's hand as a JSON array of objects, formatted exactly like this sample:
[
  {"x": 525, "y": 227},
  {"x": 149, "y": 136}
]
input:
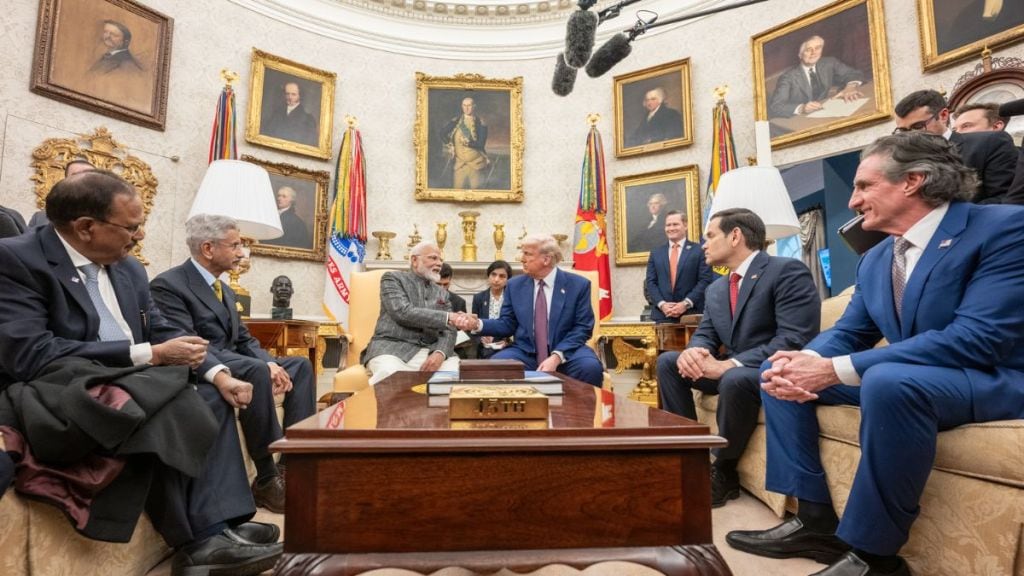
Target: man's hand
[
  {"x": 811, "y": 106},
  {"x": 464, "y": 321},
  {"x": 798, "y": 376},
  {"x": 280, "y": 380},
  {"x": 691, "y": 362},
  {"x": 713, "y": 369},
  {"x": 550, "y": 364},
  {"x": 674, "y": 309},
  {"x": 236, "y": 392},
  {"x": 850, "y": 93},
  {"x": 433, "y": 362},
  {"x": 180, "y": 351}
]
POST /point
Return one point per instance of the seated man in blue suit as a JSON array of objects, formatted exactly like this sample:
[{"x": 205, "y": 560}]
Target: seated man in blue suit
[
  {"x": 677, "y": 274},
  {"x": 765, "y": 305},
  {"x": 944, "y": 291},
  {"x": 548, "y": 311}
]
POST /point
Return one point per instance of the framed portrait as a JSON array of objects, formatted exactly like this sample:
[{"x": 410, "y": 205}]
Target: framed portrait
[
  {"x": 469, "y": 138},
  {"x": 291, "y": 106},
  {"x": 109, "y": 56},
  {"x": 953, "y": 30},
  {"x": 641, "y": 203},
  {"x": 822, "y": 73},
  {"x": 302, "y": 203},
  {"x": 653, "y": 109}
]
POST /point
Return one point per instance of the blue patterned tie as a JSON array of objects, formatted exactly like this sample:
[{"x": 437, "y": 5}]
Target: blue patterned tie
[{"x": 109, "y": 330}]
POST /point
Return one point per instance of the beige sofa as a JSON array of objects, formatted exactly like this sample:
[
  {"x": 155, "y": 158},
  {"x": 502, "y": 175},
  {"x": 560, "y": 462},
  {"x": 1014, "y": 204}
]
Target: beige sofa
[{"x": 972, "y": 511}]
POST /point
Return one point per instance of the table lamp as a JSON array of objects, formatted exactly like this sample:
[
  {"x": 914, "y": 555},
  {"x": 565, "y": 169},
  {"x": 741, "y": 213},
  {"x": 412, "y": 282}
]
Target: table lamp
[
  {"x": 761, "y": 190},
  {"x": 241, "y": 191}
]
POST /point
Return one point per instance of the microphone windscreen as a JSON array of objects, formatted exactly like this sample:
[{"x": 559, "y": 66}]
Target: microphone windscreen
[
  {"x": 565, "y": 77},
  {"x": 579, "y": 37},
  {"x": 1012, "y": 108},
  {"x": 613, "y": 52}
]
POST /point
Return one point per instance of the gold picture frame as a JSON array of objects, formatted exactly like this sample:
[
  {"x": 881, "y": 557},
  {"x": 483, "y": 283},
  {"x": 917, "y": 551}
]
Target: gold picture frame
[
  {"x": 305, "y": 220},
  {"x": 956, "y": 30},
  {"x": 852, "y": 48},
  {"x": 305, "y": 129},
  {"x": 455, "y": 159},
  {"x": 639, "y": 228},
  {"x": 637, "y": 130},
  {"x": 109, "y": 56}
]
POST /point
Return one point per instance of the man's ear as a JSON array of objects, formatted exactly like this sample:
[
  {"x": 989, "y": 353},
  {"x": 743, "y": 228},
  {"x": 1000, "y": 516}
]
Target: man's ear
[
  {"x": 82, "y": 228},
  {"x": 914, "y": 180}
]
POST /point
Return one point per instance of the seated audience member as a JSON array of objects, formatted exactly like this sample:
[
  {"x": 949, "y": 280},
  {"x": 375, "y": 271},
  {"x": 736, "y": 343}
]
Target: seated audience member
[
  {"x": 991, "y": 155},
  {"x": 549, "y": 312},
  {"x": 766, "y": 304},
  {"x": 464, "y": 346},
  {"x": 76, "y": 303},
  {"x": 944, "y": 291},
  {"x": 11, "y": 222},
  {"x": 194, "y": 300},
  {"x": 677, "y": 274},
  {"x": 984, "y": 117},
  {"x": 415, "y": 328},
  {"x": 76, "y": 166},
  {"x": 487, "y": 304}
]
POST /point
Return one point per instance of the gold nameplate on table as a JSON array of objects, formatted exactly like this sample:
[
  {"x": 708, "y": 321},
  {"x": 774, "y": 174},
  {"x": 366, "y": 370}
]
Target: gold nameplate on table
[{"x": 496, "y": 403}]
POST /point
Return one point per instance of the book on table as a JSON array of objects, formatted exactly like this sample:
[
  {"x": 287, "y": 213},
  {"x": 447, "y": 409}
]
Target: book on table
[{"x": 441, "y": 382}]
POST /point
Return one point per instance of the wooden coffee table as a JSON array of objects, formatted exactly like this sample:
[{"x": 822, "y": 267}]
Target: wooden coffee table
[{"x": 382, "y": 480}]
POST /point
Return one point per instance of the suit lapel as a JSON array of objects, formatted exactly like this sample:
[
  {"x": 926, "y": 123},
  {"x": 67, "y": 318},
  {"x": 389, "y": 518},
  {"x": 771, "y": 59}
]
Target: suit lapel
[
  {"x": 750, "y": 279},
  {"x": 70, "y": 279},
  {"x": 231, "y": 308},
  {"x": 942, "y": 242},
  {"x": 204, "y": 293}
]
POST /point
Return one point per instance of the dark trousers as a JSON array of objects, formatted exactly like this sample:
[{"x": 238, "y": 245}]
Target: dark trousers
[
  {"x": 259, "y": 421},
  {"x": 181, "y": 507},
  {"x": 582, "y": 365},
  {"x": 739, "y": 401}
]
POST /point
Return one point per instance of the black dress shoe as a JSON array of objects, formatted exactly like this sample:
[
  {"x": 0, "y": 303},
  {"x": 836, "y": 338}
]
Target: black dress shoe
[
  {"x": 724, "y": 487},
  {"x": 222, "y": 555},
  {"x": 789, "y": 540},
  {"x": 851, "y": 565},
  {"x": 255, "y": 533},
  {"x": 269, "y": 494}
]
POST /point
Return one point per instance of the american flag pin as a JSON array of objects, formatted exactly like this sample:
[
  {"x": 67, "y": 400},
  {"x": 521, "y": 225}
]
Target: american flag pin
[
  {"x": 688, "y": 246},
  {"x": 754, "y": 277},
  {"x": 563, "y": 290},
  {"x": 74, "y": 278},
  {"x": 946, "y": 243}
]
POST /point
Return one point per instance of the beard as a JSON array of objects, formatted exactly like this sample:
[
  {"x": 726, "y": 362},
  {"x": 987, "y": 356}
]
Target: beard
[{"x": 425, "y": 272}]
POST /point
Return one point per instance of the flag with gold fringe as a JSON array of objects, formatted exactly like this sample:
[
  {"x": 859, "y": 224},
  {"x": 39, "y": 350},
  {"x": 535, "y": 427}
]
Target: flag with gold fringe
[
  {"x": 590, "y": 241},
  {"x": 346, "y": 239},
  {"x": 723, "y": 151},
  {"x": 222, "y": 140}
]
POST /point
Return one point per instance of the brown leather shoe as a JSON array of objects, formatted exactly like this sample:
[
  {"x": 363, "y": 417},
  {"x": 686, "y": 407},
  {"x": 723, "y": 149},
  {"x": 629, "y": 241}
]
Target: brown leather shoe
[{"x": 269, "y": 494}]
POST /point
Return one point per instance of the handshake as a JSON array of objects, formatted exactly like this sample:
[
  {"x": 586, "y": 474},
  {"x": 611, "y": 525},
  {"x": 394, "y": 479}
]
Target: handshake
[{"x": 464, "y": 321}]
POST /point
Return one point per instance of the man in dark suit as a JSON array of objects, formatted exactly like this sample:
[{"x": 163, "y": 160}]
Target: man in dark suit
[
  {"x": 650, "y": 234},
  {"x": 464, "y": 346},
  {"x": 992, "y": 155},
  {"x": 766, "y": 304},
  {"x": 11, "y": 222},
  {"x": 72, "y": 290},
  {"x": 660, "y": 123},
  {"x": 295, "y": 232},
  {"x": 117, "y": 57},
  {"x": 944, "y": 290},
  {"x": 194, "y": 300},
  {"x": 677, "y": 273},
  {"x": 291, "y": 121},
  {"x": 804, "y": 88},
  {"x": 549, "y": 312}
]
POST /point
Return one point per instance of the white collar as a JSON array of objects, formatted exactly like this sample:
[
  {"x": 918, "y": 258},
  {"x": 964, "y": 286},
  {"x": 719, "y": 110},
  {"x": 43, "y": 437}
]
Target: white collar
[
  {"x": 742, "y": 268},
  {"x": 77, "y": 259},
  {"x": 920, "y": 234}
]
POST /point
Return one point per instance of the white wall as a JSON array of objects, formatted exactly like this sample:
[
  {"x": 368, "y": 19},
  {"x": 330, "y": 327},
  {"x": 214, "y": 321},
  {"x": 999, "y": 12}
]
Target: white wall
[{"x": 379, "y": 89}]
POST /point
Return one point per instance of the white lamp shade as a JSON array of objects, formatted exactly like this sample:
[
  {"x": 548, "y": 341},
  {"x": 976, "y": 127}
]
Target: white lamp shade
[
  {"x": 242, "y": 191},
  {"x": 761, "y": 190}
]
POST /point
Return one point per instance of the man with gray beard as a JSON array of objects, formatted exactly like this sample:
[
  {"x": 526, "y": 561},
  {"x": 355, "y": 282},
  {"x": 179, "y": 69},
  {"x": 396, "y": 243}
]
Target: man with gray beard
[{"x": 415, "y": 327}]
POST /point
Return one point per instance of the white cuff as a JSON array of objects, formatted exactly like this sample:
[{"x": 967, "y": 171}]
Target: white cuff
[
  {"x": 209, "y": 375},
  {"x": 140, "y": 353},
  {"x": 843, "y": 366},
  {"x": 736, "y": 362},
  {"x": 559, "y": 354}
]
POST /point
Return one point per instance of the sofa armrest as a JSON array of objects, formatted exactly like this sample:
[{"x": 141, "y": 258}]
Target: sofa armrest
[{"x": 352, "y": 379}]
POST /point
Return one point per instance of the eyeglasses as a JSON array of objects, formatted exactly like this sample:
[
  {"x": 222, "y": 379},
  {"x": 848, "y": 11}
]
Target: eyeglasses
[
  {"x": 133, "y": 230},
  {"x": 916, "y": 126},
  {"x": 235, "y": 246}
]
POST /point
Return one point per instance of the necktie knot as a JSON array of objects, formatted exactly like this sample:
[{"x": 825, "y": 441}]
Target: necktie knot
[{"x": 900, "y": 246}]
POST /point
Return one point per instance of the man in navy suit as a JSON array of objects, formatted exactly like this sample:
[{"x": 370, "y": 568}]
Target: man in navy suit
[
  {"x": 545, "y": 301},
  {"x": 188, "y": 297},
  {"x": 676, "y": 288},
  {"x": 944, "y": 291},
  {"x": 71, "y": 288},
  {"x": 766, "y": 304}
]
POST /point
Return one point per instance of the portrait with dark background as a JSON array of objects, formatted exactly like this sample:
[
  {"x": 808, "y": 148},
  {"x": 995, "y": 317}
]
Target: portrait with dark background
[{"x": 273, "y": 102}]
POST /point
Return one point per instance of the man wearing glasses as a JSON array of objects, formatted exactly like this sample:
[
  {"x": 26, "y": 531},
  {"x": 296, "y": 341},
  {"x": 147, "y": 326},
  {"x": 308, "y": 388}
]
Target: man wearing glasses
[{"x": 992, "y": 155}]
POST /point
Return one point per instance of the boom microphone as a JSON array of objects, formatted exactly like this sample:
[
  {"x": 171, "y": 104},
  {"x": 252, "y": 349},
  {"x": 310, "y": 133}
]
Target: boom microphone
[
  {"x": 611, "y": 53},
  {"x": 579, "y": 37},
  {"x": 565, "y": 77},
  {"x": 1012, "y": 108}
]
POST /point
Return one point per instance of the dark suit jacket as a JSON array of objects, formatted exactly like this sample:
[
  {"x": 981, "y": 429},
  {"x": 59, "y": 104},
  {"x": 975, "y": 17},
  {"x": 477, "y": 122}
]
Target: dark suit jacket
[
  {"x": 666, "y": 124},
  {"x": 480, "y": 143},
  {"x": 693, "y": 276},
  {"x": 299, "y": 126},
  {"x": 570, "y": 322},
  {"x": 11, "y": 222},
  {"x": 960, "y": 308},
  {"x": 46, "y": 313},
  {"x": 296, "y": 233},
  {"x": 793, "y": 88},
  {"x": 993, "y": 157},
  {"x": 482, "y": 308},
  {"x": 648, "y": 238},
  {"x": 777, "y": 309},
  {"x": 190, "y": 305},
  {"x": 968, "y": 26},
  {"x": 123, "y": 60}
]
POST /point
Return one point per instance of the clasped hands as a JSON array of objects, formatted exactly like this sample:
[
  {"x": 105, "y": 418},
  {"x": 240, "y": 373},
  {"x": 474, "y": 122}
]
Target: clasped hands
[
  {"x": 797, "y": 376},
  {"x": 674, "y": 309},
  {"x": 697, "y": 363},
  {"x": 464, "y": 321}
]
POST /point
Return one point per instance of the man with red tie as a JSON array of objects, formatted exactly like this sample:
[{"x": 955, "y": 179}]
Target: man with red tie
[{"x": 765, "y": 304}]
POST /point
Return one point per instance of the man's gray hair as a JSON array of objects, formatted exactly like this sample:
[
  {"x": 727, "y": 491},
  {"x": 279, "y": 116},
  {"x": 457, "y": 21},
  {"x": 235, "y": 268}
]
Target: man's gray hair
[
  {"x": 946, "y": 179},
  {"x": 803, "y": 44},
  {"x": 420, "y": 248},
  {"x": 546, "y": 245},
  {"x": 207, "y": 228}
]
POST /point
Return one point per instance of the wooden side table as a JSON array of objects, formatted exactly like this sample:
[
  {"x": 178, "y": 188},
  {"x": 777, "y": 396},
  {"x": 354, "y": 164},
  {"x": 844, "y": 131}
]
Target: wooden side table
[{"x": 284, "y": 337}]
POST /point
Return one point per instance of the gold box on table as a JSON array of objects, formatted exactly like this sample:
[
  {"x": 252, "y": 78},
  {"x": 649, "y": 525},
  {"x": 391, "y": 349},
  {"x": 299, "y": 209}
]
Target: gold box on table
[{"x": 496, "y": 403}]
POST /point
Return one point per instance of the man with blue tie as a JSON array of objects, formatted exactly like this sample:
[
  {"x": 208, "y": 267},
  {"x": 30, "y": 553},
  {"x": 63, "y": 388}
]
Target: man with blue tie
[
  {"x": 677, "y": 274},
  {"x": 944, "y": 291},
  {"x": 549, "y": 312}
]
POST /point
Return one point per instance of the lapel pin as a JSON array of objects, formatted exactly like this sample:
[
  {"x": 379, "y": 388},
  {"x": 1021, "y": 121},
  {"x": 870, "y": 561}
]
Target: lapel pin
[
  {"x": 563, "y": 290},
  {"x": 946, "y": 243},
  {"x": 75, "y": 279},
  {"x": 753, "y": 277}
]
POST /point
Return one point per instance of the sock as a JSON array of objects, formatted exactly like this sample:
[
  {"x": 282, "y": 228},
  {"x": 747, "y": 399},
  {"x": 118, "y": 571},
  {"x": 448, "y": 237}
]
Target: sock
[
  {"x": 209, "y": 531},
  {"x": 880, "y": 563},
  {"x": 265, "y": 469},
  {"x": 817, "y": 517}
]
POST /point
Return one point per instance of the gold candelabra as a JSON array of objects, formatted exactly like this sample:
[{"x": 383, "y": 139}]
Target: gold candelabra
[{"x": 469, "y": 234}]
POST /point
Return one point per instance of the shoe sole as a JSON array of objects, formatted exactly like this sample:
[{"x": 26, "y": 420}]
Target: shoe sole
[
  {"x": 263, "y": 504},
  {"x": 247, "y": 568},
  {"x": 730, "y": 495},
  {"x": 818, "y": 556}
]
